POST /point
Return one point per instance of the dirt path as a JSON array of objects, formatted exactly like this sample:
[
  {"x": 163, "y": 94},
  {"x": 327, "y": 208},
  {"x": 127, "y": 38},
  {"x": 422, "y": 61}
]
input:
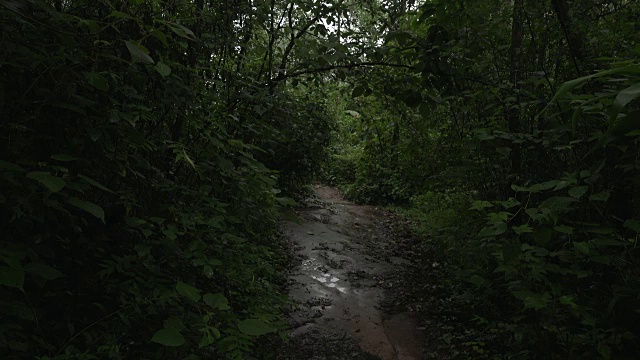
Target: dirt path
[{"x": 339, "y": 286}]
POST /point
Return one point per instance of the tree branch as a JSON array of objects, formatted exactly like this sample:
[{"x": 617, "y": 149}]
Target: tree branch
[{"x": 283, "y": 76}]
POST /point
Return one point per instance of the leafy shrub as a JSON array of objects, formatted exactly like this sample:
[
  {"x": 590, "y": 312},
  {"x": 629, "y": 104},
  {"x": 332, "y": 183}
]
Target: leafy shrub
[
  {"x": 565, "y": 248},
  {"x": 136, "y": 218},
  {"x": 339, "y": 170}
]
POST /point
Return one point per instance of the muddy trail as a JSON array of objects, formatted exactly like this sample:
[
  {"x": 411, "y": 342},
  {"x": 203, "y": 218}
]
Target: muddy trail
[{"x": 339, "y": 284}]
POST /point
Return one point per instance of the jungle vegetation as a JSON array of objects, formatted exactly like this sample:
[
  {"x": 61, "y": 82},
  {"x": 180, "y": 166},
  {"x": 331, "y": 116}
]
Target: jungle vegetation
[{"x": 147, "y": 148}]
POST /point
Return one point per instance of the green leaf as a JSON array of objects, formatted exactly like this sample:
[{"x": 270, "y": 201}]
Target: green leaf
[
  {"x": 544, "y": 186},
  {"x": 206, "y": 340},
  {"x": 255, "y": 327},
  {"x": 582, "y": 247},
  {"x": 601, "y": 196},
  {"x": 483, "y": 135},
  {"x": 88, "y": 206},
  {"x": 568, "y": 300},
  {"x": 11, "y": 277},
  {"x": 134, "y": 221},
  {"x": 526, "y": 228},
  {"x": 5, "y": 165},
  {"x": 173, "y": 322},
  {"x": 160, "y": 36},
  {"x": 121, "y": 15},
  {"x": 624, "y": 97},
  {"x": 97, "y": 81},
  {"x": 188, "y": 291},
  {"x": 493, "y": 229},
  {"x": 570, "y": 85},
  {"x": 508, "y": 204},
  {"x": 208, "y": 271},
  {"x": 64, "y": 157},
  {"x": 217, "y": 301},
  {"x": 558, "y": 203},
  {"x": 633, "y": 225},
  {"x": 578, "y": 191},
  {"x": 53, "y": 183},
  {"x": 532, "y": 300},
  {"x": 139, "y": 54},
  {"x": 95, "y": 183},
  {"x": 286, "y": 201},
  {"x": 510, "y": 251},
  {"x": 564, "y": 229},
  {"x": 181, "y": 31},
  {"x": 504, "y": 151},
  {"x": 168, "y": 337},
  {"x": 601, "y": 259},
  {"x": 480, "y": 204},
  {"x": 477, "y": 280},
  {"x": 163, "y": 69},
  {"x": 42, "y": 270},
  {"x": 518, "y": 188},
  {"x": 605, "y": 351}
]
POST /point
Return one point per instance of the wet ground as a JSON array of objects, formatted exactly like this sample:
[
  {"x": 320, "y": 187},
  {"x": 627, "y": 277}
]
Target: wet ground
[{"x": 339, "y": 285}]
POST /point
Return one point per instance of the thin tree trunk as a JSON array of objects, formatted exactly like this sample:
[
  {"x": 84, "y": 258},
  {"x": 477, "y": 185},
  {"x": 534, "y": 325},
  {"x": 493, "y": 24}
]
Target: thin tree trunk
[
  {"x": 575, "y": 41},
  {"x": 515, "y": 74}
]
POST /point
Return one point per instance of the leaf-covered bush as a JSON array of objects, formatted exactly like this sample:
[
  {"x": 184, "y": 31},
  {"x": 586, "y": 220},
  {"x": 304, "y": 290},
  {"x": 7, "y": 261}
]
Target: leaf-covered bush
[
  {"x": 530, "y": 110},
  {"x": 138, "y": 216}
]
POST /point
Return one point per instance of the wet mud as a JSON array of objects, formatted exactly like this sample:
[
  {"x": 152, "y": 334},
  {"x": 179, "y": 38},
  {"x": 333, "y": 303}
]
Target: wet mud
[{"x": 338, "y": 285}]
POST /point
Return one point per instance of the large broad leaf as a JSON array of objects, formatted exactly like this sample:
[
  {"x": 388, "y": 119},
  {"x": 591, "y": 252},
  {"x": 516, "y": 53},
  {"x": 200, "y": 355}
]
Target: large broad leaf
[
  {"x": 42, "y": 270},
  {"x": 168, "y": 337},
  {"x": 633, "y": 225},
  {"x": 217, "y": 301},
  {"x": 173, "y": 322},
  {"x": 558, "y": 203},
  {"x": 255, "y": 327},
  {"x": 97, "y": 81},
  {"x": 601, "y": 196},
  {"x": 53, "y": 183},
  {"x": 138, "y": 53},
  {"x": 533, "y": 300},
  {"x": 624, "y": 97},
  {"x": 91, "y": 208},
  {"x": 188, "y": 291},
  {"x": 578, "y": 191},
  {"x": 582, "y": 247},
  {"x": 163, "y": 69},
  {"x": 181, "y": 31},
  {"x": 95, "y": 183},
  {"x": 11, "y": 277},
  {"x": 522, "y": 229},
  {"x": 64, "y": 157},
  {"x": 5, "y": 165},
  {"x": 570, "y": 85},
  {"x": 493, "y": 229}
]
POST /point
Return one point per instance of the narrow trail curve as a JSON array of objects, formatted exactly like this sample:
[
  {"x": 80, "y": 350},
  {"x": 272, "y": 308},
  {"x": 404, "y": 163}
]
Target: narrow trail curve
[{"x": 338, "y": 287}]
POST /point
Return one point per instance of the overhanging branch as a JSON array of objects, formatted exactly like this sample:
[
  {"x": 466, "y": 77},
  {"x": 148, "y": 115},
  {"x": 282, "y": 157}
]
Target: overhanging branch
[{"x": 282, "y": 77}]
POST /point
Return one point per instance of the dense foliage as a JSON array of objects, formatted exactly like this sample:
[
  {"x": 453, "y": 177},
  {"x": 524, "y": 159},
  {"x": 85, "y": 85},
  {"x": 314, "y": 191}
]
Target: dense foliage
[
  {"x": 510, "y": 134},
  {"x": 146, "y": 144},
  {"x": 143, "y": 145}
]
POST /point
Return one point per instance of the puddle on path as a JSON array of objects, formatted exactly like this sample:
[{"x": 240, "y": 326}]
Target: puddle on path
[{"x": 337, "y": 287}]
